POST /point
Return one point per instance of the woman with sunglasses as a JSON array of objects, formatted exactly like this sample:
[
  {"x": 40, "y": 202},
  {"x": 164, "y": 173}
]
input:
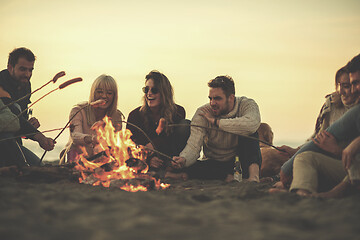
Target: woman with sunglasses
[
  {"x": 158, "y": 102},
  {"x": 84, "y": 116}
]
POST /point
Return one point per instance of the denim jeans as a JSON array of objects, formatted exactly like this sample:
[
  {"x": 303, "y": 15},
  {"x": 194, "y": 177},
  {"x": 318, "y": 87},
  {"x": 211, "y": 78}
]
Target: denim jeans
[
  {"x": 248, "y": 152},
  {"x": 13, "y": 153},
  {"x": 345, "y": 129}
]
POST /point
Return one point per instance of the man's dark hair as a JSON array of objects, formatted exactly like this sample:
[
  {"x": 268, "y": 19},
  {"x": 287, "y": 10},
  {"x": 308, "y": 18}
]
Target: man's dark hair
[
  {"x": 353, "y": 65},
  {"x": 18, "y": 53},
  {"x": 226, "y": 83}
]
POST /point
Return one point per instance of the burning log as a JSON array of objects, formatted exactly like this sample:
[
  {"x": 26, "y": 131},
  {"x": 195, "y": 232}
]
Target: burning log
[
  {"x": 136, "y": 164},
  {"x": 135, "y": 183},
  {"x": 98, "y": 155},
  {"x": 120, "y": 163}
]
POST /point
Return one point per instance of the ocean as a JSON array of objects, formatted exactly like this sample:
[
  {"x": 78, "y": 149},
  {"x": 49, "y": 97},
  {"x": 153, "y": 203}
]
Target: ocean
[{"x": 54, "y": 154}]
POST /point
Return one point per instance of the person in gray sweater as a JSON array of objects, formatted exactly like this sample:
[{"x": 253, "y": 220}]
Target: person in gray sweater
[
  {"x": 223, "y": 123},
  {"x": 9, "y": 124}
]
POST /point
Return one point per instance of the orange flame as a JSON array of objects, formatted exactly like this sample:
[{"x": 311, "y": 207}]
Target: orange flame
[{"x": 117, "y": 147}]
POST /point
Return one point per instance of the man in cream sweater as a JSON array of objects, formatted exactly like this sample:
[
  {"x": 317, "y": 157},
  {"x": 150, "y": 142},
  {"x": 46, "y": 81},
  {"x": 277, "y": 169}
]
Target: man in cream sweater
[{"x": 222, "y": 122}]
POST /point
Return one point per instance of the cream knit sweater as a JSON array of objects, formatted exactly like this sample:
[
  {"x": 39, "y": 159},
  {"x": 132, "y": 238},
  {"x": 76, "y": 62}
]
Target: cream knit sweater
[{"x": 220, "y": 146}]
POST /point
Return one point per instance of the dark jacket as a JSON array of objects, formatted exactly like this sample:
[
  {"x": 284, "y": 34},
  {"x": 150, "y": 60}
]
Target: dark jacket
[
  {"x": 13, "y": 87},
  {"x": 163, "y": 141},
  {"x": 15, "y": 90}
]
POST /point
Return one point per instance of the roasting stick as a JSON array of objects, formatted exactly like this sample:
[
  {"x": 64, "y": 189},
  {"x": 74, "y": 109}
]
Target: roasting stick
[
  {"x": 62, "y": 86},
  {"x": 55, "y": 78},
  {"x": 95, "y": 104},
  {"x": 160, "y": 153},
  {"x": 142, "y": 131},
  {"x": 30, "y": 134},
  {"x": 220, "y": 130}
]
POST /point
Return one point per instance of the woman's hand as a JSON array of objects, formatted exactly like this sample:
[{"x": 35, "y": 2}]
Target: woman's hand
[
  {"x": 90, "y": 139},
  {"x": 327, "y": 142},
  {"x": 349, "y": 153},
  {"x": 97, "y": 124},
  {"x": 156, "y": 162}
]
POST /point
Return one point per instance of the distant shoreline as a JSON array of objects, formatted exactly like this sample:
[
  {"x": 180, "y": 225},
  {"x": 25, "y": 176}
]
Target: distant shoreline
[{"x": 54, "y": 154}]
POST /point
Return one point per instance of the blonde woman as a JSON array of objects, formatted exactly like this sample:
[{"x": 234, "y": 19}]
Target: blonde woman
[{"x": 84, "y": 116}]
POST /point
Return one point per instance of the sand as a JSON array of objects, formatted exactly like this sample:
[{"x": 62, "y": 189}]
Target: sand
[{"x": 60, "y": 208}]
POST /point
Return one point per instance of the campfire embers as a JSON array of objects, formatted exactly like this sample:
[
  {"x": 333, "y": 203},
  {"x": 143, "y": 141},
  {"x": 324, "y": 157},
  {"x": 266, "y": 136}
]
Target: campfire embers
[{"x": 117, "y": 162}]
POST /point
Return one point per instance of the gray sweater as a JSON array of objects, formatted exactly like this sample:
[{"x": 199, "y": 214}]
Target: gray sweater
[
  {"x": 9, "y": 122},
  {"x": 220, "y": 146}
]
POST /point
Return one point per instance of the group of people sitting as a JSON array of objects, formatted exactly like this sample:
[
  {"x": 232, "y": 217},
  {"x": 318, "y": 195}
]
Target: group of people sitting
[{"x": 225, "y": 129}]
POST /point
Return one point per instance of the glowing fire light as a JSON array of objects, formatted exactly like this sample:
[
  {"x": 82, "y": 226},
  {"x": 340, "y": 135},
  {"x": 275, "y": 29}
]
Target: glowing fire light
[{"x": 115, "y": 148}]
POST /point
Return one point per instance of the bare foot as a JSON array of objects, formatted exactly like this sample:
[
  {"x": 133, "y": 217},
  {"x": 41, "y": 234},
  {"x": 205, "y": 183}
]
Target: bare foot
[
  {"x": 337, "y": 192},
  {"x": 266, "y": 179},
  {"x": 279, "y": 184},
  {"x": 229, "y": 178},
  {"x": 278, "y": 187},
  {"x": 253, "y": 179},
  {"x": 182, "y": 176},
  {"x": 277, "y": 190},
  {"x": 303, "y": 193}
]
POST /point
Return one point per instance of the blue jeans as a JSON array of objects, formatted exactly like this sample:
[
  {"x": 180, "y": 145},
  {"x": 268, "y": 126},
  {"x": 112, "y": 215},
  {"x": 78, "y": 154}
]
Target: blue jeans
[
  {"x": 345, "y": 129},
  {"x": 30, "y": 157},
  {"x": 13, "y": 153},
  {"x": 248, "y": 152}
]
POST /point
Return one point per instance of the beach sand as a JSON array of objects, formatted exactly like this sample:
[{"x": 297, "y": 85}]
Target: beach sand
[{"x": 61, "y": 208}]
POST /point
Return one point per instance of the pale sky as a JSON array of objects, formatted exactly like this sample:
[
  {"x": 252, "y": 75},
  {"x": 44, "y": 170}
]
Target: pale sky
[{"x": 283, "y": 54}]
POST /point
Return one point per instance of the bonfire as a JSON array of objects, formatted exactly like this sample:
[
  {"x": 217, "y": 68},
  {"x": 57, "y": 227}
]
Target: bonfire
[{"x": 117, "y": 161}]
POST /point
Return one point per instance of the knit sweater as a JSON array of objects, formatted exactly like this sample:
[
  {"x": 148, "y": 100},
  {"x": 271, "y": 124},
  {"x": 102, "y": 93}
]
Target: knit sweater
[
  {"x": 329, "y": 113},
  {"x": 82, "y": 126},
  {"x": 243, "y": 119},
  {"x": 9, "y": 122}
]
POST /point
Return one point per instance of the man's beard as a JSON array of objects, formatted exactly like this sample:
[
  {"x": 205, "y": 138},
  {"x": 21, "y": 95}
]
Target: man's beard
[
  {"x": 226, "y": 108},
  {"x": 22, "y": 84},
  {"x": 357, "y": 97}
]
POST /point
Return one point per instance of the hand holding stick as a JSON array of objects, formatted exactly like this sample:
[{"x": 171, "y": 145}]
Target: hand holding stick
[{"x": 95, "y": 104}]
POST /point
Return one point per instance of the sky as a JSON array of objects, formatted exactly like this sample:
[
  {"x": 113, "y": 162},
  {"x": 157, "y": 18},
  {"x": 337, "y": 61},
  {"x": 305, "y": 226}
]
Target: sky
[{"x": 281, "y": 53}]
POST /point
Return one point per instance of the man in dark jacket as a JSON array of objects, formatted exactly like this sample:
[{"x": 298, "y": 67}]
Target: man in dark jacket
[{"x": 15, "y": 85}]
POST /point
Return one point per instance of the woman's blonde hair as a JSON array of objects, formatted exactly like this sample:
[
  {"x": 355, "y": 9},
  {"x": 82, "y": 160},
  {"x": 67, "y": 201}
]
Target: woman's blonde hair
[
  {"x": 106, "y": 83},
  {"x": 167, "y": 104}
]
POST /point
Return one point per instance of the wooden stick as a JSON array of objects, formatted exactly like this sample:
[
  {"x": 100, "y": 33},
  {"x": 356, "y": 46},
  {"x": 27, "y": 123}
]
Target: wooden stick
[
  {"x": 55, "y": 78},
  {"x": 220, "y": 130},
  {"x": 30, "y": 134}
]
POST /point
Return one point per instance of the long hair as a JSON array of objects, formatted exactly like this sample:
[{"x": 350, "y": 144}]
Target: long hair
[
  {"x": 105, "y": 82},
  {"x": 167, "y": 104},
  {"x": 336, "y": 98}
]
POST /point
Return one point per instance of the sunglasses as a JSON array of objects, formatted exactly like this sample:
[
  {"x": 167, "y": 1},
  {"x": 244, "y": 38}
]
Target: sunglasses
[{"x": 154, "y": 90}]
